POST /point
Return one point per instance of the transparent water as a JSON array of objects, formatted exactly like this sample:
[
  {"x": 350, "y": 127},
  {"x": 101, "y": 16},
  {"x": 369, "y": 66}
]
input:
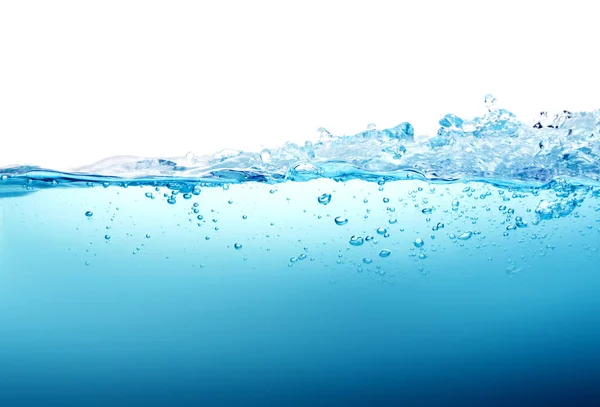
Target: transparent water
[{"x": 372, "y": 269}]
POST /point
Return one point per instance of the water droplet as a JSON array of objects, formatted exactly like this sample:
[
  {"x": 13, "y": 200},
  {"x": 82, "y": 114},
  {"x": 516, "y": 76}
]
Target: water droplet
[
  {"x": 385, "y": 253},
  {"x": 368, "y": 238},
  {"x": 418, "y": 242},
  {"x": 381, "y": 230},
  {"x": 324, "y": 199},
  {"x": 367, "y": 260},
  {"x": 237, "y": 246},
  {"x": 426, "y": 210},
  {"x": 89, "y": 214},
  {"x": 340, "y": 221},
  {"x": 489, "y": 101},
  {"x": 356, "y": 240},
  {"x": 392, "y": 221},
  {"x": 107, "y": 237},
  {"x": 87, "y": 263},
  {"x": 465, "y": 236}
]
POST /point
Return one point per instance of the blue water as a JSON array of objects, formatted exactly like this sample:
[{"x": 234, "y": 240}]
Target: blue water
[{"x": 372, "y": 269}]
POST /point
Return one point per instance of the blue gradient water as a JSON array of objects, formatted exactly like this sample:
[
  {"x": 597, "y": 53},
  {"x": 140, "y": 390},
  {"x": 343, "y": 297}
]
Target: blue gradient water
[{"x": 401, "y": 272}]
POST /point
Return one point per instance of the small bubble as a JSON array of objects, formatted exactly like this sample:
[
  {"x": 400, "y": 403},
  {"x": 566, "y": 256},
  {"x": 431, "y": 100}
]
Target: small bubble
[
  {"x": 87, "y": 263},
  {"x": 230, "y": 202},
  {"x": 426, "y": 210},
  {"x": 89, "y": 214},
  {"x": 385, "y": 253},
  {"x": 272, "y": 191},
  {"x": 381, "y": 230},
  {"x": 356, "y": 240},
  {"x": 368, "y": 238},
  {"x": 148, "y": 236},
  {"x": 187, "y": 196},
  {"x": 237, "y": 246},
  {"x": 324, "y": 199},
  {"x": 171, "y": 200},
  {"x": 367, "y": 260},
  {"x": 418, "y": 242},
  {"x": 386, "y": 200},
  {"x": 149, "y": 195},
  {"x": 107, "y": 237},
  {"x": 340, "y": 221},
  {"x": 392, "y": 221},
  {"x": 244, "y": 216}
]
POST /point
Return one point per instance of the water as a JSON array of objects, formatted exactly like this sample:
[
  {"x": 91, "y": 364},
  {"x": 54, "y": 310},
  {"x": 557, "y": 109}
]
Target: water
[{"x": 373, "y": 269}]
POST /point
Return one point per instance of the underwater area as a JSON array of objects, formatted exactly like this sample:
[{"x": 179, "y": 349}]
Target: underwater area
[{"x": 379, "y": 268}]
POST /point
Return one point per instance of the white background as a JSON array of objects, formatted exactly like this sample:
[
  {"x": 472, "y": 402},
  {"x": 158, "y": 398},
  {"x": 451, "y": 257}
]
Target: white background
[{"x": 82, "y": 80}]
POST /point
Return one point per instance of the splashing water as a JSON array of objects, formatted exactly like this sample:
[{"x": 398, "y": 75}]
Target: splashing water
[{"x": 353, "y": 263}]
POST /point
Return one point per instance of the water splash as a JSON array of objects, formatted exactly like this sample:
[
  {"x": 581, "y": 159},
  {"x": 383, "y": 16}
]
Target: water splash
[{"x": 495, "y": 147}]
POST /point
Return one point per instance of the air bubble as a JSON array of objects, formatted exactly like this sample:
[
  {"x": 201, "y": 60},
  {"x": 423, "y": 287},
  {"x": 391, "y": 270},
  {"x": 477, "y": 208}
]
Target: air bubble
[
  {"x": 418, "y": 242},
  {"x": 385, "y": 253},
  {"x": 465, "y": 235},
  {"x": 324, "y": 199},
  {"x": 340, "y": 221},
  {"x": 356, "y": 240}
]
